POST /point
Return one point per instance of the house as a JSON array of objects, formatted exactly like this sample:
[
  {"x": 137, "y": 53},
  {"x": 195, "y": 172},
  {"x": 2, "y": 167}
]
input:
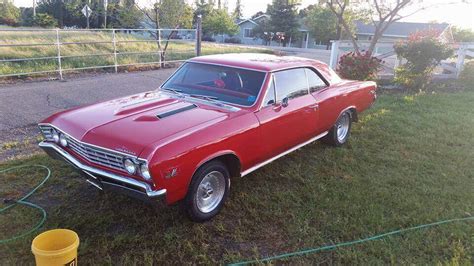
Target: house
[
  {"x": 364, "y": 31},
  {"x": 246, "y": 36},
  {"x": 401, "y": 30}
]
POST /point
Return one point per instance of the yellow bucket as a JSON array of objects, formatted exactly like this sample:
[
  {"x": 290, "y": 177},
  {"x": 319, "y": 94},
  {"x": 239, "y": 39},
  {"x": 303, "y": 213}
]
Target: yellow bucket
[{"x": 56, "y": 247}]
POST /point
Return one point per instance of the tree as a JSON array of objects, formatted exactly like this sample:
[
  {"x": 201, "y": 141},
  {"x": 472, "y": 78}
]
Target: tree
[
  {"x": 284, "y": 18},
  {"x": 258, "y": 14},
  {"x": 423, "y": 51},
  {"x": 126, "y": 16},
  {"x": 238, "y": 10},
  {"x": 45, "y": 21},
  {"x": 463, "y": 35},
  {"x": 321, "y": 22},
  {"x": 9, "y": 13},
  {"x": 263, "y": 31},
  {"x": 382, "y": 14},
  {"x": 171, "y": 14},
  {"x": 203, "y": 9},
  {"x": 219, "y": 22}
]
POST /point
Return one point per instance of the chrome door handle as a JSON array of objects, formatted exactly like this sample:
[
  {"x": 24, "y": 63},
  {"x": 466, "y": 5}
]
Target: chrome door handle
[{"x": 314, "y": 106}]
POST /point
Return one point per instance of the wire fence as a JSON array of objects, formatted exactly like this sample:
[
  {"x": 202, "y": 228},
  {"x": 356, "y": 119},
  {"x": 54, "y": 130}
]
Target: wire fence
[{"x": 27, "y": 52}]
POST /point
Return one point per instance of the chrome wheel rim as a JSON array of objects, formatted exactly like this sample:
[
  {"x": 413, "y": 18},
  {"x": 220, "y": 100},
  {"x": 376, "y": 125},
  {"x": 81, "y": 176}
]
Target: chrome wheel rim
[
  {"x": 343, "y": 127},
  {"x": 210, "y": 191}
]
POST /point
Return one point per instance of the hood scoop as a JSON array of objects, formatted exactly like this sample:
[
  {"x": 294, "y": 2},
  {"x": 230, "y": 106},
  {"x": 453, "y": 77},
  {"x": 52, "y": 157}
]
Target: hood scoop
[{"x": 175, "y": 111}]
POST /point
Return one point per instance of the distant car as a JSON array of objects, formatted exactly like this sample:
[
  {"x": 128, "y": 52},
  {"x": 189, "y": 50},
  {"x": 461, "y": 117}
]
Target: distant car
[{"x": 216, "y": 117}]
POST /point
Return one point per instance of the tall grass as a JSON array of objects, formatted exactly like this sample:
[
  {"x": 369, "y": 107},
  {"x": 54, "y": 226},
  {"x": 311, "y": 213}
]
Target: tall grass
[{"x": 87, "y": 49}]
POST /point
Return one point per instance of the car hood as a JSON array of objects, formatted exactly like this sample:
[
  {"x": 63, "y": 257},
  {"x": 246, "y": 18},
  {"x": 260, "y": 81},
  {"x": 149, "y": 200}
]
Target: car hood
[{"x": 129, "y": 124}]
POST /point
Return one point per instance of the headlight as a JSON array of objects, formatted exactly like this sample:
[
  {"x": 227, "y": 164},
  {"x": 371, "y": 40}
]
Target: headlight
[
  {"x": 130, "y": 166},
  {"x": 55, "y": 135},
  {"x": 144, "y": 171},
  {"x": 62, "y": 140}
]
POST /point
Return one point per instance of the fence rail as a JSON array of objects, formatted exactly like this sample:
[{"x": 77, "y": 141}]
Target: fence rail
[
  {"x": 384, "y": 50},
  {"x": 182, "y": 42}
]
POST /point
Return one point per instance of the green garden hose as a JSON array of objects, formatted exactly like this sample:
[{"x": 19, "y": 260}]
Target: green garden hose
[
  {"x": 277, "y": 257},
  {"x": 23, "y": 202},
  {"x": 350, "y": 243}
]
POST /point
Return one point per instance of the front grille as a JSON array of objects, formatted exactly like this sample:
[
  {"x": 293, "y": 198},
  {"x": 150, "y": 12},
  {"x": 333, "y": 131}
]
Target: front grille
[
  {"x": 46, "y": 131},
  {"x": 96, "y": 155},
  {"x": 89, "y": 152}
]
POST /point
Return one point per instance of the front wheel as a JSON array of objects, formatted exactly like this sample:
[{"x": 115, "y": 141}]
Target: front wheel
[
  {"x": 340, "y": 132},
  {"x": 207, "y": 192}
]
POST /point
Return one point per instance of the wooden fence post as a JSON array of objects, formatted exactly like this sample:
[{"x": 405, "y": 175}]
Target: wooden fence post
[{"x": 198, "y": 35}]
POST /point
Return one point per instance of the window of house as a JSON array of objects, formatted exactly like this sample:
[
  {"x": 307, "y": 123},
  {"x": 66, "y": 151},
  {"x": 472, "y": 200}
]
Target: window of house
[
  {"x": 248, "y": 33},
  {"x": 291, "y": 83},
  {"x": 314, "y": 80}
]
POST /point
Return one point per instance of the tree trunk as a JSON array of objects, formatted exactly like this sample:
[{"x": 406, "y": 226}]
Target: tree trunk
[{"x": 338, "y": 30}]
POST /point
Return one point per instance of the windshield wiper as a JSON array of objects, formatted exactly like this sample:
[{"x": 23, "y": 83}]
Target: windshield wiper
[
  {"x": 205, "y": 97},
  {"x": 213, "y": 99},
  {"x": 176, "y": 91}
]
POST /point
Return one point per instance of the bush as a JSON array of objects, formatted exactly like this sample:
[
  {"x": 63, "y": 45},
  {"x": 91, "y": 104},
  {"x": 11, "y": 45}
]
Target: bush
[
  {"x": 232, "y": 40},
  {"x": 466, "y": 78},
  {"x": 359, "y": 66},
  {"x": 423, "y": 52},
  {"x": 9, "y": 13},
  {"x": 44, "y": 20},
  {"x": 208, "y": 39}
]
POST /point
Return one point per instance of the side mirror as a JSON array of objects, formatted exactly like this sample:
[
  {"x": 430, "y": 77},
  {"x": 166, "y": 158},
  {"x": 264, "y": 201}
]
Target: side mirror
[{"x": 284, "y": 102}]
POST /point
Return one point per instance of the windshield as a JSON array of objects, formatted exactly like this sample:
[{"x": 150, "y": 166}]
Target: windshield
[{"x": 212, "y": 82}]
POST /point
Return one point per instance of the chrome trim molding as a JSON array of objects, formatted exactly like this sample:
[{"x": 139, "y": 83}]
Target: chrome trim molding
[
  {"x": 88, "y": 170},
  {"x": 253, "y": 168},
  {"x": 95, "y": 146}
]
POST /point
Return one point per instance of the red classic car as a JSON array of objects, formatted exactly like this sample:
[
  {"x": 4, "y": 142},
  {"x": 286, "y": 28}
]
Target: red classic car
[{"x": 216, "y": 117}]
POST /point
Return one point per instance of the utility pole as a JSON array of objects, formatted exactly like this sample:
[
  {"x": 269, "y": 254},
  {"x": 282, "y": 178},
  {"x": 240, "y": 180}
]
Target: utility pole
[
  {"x": 198, "y": 34},
  {"x": 34, "y": 8},
  {"x": 106, "y": 2}
]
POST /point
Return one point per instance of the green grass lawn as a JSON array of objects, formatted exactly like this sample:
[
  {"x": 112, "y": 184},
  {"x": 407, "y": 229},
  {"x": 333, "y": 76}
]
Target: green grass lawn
[
  {"x": 409, "y": 162},
  {"x": 90, "y": 54}
]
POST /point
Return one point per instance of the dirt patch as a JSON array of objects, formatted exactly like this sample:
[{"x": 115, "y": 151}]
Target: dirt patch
[{"x": 19, "y": 142}]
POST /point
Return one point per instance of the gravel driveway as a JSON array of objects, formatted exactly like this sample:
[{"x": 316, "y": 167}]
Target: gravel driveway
[{"x": 23, "y": 105}]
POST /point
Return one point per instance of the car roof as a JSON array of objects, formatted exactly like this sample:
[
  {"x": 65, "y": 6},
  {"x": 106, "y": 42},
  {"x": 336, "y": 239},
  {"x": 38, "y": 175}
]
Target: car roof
[
  {"x": 255, "y": 61},
  {"x": 266, "y": 62}
]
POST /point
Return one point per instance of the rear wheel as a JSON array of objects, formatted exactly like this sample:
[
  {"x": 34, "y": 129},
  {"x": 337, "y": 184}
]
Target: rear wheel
[
  {"x": 340, "y": 132},
  {"x": 207, "y": 191}
]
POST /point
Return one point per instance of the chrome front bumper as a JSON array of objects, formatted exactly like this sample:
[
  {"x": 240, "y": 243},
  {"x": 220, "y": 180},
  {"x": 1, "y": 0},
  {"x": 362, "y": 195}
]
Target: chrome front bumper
[{"x": 105, "y": 180}]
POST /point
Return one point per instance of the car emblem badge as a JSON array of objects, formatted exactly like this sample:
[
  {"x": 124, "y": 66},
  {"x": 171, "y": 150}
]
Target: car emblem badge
[{"x": 125, "y": 150}]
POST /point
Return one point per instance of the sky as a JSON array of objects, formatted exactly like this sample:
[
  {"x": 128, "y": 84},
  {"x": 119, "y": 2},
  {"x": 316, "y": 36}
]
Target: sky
[{"x": 461, "y": 14}]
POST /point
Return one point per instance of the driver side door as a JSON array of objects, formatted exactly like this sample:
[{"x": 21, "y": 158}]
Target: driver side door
[{"x": 289, "y": 115}]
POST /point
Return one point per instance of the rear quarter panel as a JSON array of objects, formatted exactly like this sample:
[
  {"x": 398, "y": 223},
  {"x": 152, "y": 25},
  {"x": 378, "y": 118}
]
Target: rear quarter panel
[{"x": 341, "y": 96}]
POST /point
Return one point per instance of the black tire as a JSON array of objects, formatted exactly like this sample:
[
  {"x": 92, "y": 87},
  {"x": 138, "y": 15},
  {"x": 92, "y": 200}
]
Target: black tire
[
  {"x": 332, "y": 138},
  {"x": 195, "y": 200}
]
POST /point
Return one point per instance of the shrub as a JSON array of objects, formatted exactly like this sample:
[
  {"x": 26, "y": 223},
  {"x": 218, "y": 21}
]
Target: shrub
[
  {"x": 232, "y": 40},
  {"x": 359, "y": 66},
  {"x": 466, "y": 78},
  {"x": 423, "y": 52},
  {"x": 44, "y": 20},
  {"x": 208, "y": 38},
  {"x": 9, "y": 13}
]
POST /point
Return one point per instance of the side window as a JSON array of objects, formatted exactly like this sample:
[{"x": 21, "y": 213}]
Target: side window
[
  {"x": 270, "y": 94},
  {"x": 315, "y": 82},
  {"x": 291, "y": 84}
]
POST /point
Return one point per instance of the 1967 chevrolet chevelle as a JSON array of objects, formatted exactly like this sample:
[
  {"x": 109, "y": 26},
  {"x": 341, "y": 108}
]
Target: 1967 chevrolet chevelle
[{"x": 216, "y": 117}]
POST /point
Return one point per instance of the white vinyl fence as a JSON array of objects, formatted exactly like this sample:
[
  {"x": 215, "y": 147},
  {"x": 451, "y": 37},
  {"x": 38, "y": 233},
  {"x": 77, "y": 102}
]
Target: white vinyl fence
[
  {"x": 450, "y": 68},
  {"x": 45, "y": 51}
]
